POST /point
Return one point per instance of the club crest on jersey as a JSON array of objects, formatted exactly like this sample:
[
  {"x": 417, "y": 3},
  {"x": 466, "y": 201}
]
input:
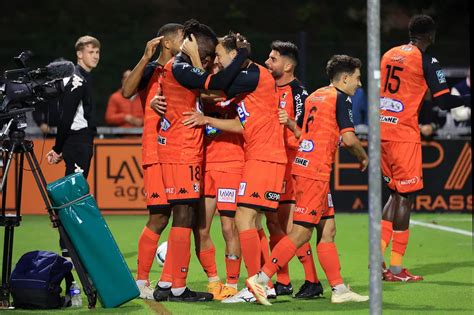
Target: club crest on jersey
[
  {"x": 306, "y": 146},
  {"x": 282, "y": 104},
  {"x": 242, "y": 112},
  {"x": 441, "y": 76},
  {"x": 301, "y": 161},
  {"x": 165, "y": 124},
  {"x": 391, "y": 105}
]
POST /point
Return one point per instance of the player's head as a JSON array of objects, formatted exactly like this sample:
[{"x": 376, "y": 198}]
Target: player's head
[
  {"x": 422, "y": 28},
  {"x": 344, "y": 73},
  {"x": 172, "y": 37},
  {"x": 206, "y": 40},
  {"x": 226, "y": 49},
  {"x": 87, "y": 52},
  {"x": 282, "y": 59}
]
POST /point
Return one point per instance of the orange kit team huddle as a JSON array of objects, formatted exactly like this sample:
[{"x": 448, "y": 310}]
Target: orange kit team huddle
[{"x": 223, "y": 132}]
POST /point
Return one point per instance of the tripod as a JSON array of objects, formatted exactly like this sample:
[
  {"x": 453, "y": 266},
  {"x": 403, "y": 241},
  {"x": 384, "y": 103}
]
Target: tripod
[{"x": 16, "y": 145}]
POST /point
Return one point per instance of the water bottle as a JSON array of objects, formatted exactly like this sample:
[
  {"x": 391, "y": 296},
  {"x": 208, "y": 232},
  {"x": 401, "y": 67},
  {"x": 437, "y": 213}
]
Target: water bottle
[{"x": 75, "y": 292}]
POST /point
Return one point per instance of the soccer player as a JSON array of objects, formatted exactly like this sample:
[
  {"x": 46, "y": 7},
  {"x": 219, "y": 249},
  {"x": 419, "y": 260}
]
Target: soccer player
[
  {"x": 180, "y": 149},
  {"x": 254, "y": 91},
  {"x": 281, "y": 63},
  {"x": 407, "y": 73},
  {"x": 327, "y": 118},
  {"x": 144, "y": 79}
]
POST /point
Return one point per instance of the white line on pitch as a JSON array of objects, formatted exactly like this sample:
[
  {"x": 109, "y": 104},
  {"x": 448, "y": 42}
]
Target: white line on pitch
[{"x": 441, "y": 227}]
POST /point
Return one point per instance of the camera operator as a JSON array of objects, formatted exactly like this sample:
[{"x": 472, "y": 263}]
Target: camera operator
[{"x": 77, "y": 126}]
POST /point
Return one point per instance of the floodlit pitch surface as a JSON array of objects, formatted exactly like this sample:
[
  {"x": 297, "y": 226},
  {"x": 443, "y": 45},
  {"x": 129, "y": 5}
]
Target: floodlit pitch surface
[{"x": 444, "y": 258}]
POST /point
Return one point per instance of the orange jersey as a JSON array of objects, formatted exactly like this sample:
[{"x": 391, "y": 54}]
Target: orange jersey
[
  {"x": 176, "y": 142},
  {"x": 151, "y": 118},
  {"x": 406, "y": 75},
  {"x": 292, "y": 97},
  {"x": 328, "y": 114},
  {"x": 222, "y": 147},
  {"x": 257, "y": 107}
]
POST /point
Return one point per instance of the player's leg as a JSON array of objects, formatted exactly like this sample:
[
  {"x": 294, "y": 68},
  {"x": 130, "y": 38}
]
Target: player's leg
[
  {"x": 329, "y": 259},
  {"x": 205, "y": 249}
]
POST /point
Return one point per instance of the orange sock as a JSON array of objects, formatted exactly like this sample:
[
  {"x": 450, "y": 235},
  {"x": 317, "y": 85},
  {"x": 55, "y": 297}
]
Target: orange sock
[
  {"x": 264, "y": 246},
  {"x": 167, "y": 271},
  {"x": 283, "y": 275},
  {"x": 180, "y": 243},
  {"x": 399, "y": 246},
  {"x": 251, "y": 250},
  {"x": 207, "y": 258},
  {"x": 387, "y": 229},
  {"x": 305, "y": 256},
  {"x": 232, "y": 267},
  {"x": 147, "y": 245},
  {"x": 329, "y": 260},
  {"x": 281, "y": 255}
]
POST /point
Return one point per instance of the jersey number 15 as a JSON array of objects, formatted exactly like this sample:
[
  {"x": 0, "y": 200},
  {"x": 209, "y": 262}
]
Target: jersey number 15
[{"x": 392, "y": 75}]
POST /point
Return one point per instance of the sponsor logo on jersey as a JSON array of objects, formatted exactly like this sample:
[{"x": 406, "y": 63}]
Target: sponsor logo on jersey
[
  {"x": 410, "y": 181},
  {"x": 441, "y": 76},
  {"x": 351, "y": 118},
  {"x": 242, "y": 112},
  {"x": 255, "y": 195},
  {"x": 197, "y": 71},
  {"x": 306, "y": 146},
  {"x": 348, "y": 99},
  {"x": 301, "y": 161},
  {"x": 330, "y": 203},
  {"x": 161, "y": 140},
  {"x": 399, "y": 59},
  {"x": 76, "y": 82},
  {"x": 407, "y": 48},
  {"x": 154, "y": 195},
  {"x": 226, "y": 195},
  {"x": 389, "y": 119},
  {"x": 165, "y": 124},
  {"x": 182, "y": 191},
  {"x": 313, "y": 213},
  {"x": 272, "y": 196},
  {"x": 434, "y": 60},
  {"x": 242, "y": 187},
  {"x": 169, "y": 190},
  {"x": 391, "y": 105}
]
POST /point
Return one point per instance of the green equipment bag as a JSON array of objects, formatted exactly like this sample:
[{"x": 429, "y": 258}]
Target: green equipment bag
[{"x": 93, "y": 241}]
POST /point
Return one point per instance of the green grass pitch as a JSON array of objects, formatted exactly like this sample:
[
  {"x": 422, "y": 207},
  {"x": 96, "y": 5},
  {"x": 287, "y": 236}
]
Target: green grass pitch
[{"x": 445, "y": 259}]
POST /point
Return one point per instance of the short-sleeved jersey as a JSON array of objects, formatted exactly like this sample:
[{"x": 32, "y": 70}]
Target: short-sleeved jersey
[
  {"x": 257, "y": 106},
  {"x": 151, "y": 118},
  {"x": 292, "y": 97},
  {"x": 328, "y": 114},
  {"x": 406, "y": 75},
  {"x": 222, "y": 146},
  {"x": 176, "y": 142}
]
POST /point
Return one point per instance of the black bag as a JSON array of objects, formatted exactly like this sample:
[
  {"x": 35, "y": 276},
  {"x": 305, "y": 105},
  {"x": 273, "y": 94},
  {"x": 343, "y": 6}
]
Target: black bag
[{"x": 35, "y": 282}]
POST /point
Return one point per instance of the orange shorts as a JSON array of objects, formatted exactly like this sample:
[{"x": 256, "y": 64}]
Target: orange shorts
[
  {"x": 311, "y": 201},
  {"x": 223, "y": 186},
  {"x": 261, "y": 185},
  {"x": 402, "y": 166},
  {"x": 182, "y": 182},
  {"x": 288, "y": 190},
  {"x": 154, "y": 188}
]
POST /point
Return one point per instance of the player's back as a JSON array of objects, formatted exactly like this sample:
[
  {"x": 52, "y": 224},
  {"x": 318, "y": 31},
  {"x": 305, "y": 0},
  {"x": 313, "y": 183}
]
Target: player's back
[
  {"x": 320, "y": 135},
  {"x": 176, "y": 142},
  {"x": 258, "y": 112},
  {"x": 402, "y": 89}
]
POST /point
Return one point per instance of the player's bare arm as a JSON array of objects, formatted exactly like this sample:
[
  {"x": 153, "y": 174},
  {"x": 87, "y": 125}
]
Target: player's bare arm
[
  {"x": 196, "y": 119},
  {"x": 130, "y": 84},
  {"x": 289, "y": 123},
  {"x": 353, "y": 145}
]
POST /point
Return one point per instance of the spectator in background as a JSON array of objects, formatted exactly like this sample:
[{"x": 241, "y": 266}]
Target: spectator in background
[
  {"x": 359, "y": 111},
  {"x": 123, "y": 112}
]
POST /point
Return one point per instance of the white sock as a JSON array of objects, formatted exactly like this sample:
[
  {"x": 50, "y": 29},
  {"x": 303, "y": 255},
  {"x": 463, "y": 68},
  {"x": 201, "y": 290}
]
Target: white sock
[
  {"x": 178, "y": 291},
  {"x": 262, "y": 278},
  {"x": 213, "y": 279},
  {"x": 232, "y": 285},
  {"x": 339, "y": 288},
  {"x": 164, "y": 284},
  {"x": 141, "y": 282}
]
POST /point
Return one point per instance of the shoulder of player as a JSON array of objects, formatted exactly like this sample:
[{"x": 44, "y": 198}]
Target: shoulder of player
[{"x": 343, "y": 97}]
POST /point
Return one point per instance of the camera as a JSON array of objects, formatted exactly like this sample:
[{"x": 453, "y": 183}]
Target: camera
[{"x": 24, "y": 88}]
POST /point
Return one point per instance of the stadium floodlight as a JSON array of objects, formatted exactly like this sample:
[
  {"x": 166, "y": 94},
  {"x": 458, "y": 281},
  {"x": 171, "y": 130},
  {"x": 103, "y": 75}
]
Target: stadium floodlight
[{"x": 375, "y": 185}]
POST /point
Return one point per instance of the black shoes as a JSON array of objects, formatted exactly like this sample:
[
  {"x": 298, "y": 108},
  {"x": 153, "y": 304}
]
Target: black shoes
[
  {"x": 161, "y": 294},
  {"x": 283, "y": 289},
  {"x": 309, "y": 290},
  {"x": 190, "y": 296}
]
